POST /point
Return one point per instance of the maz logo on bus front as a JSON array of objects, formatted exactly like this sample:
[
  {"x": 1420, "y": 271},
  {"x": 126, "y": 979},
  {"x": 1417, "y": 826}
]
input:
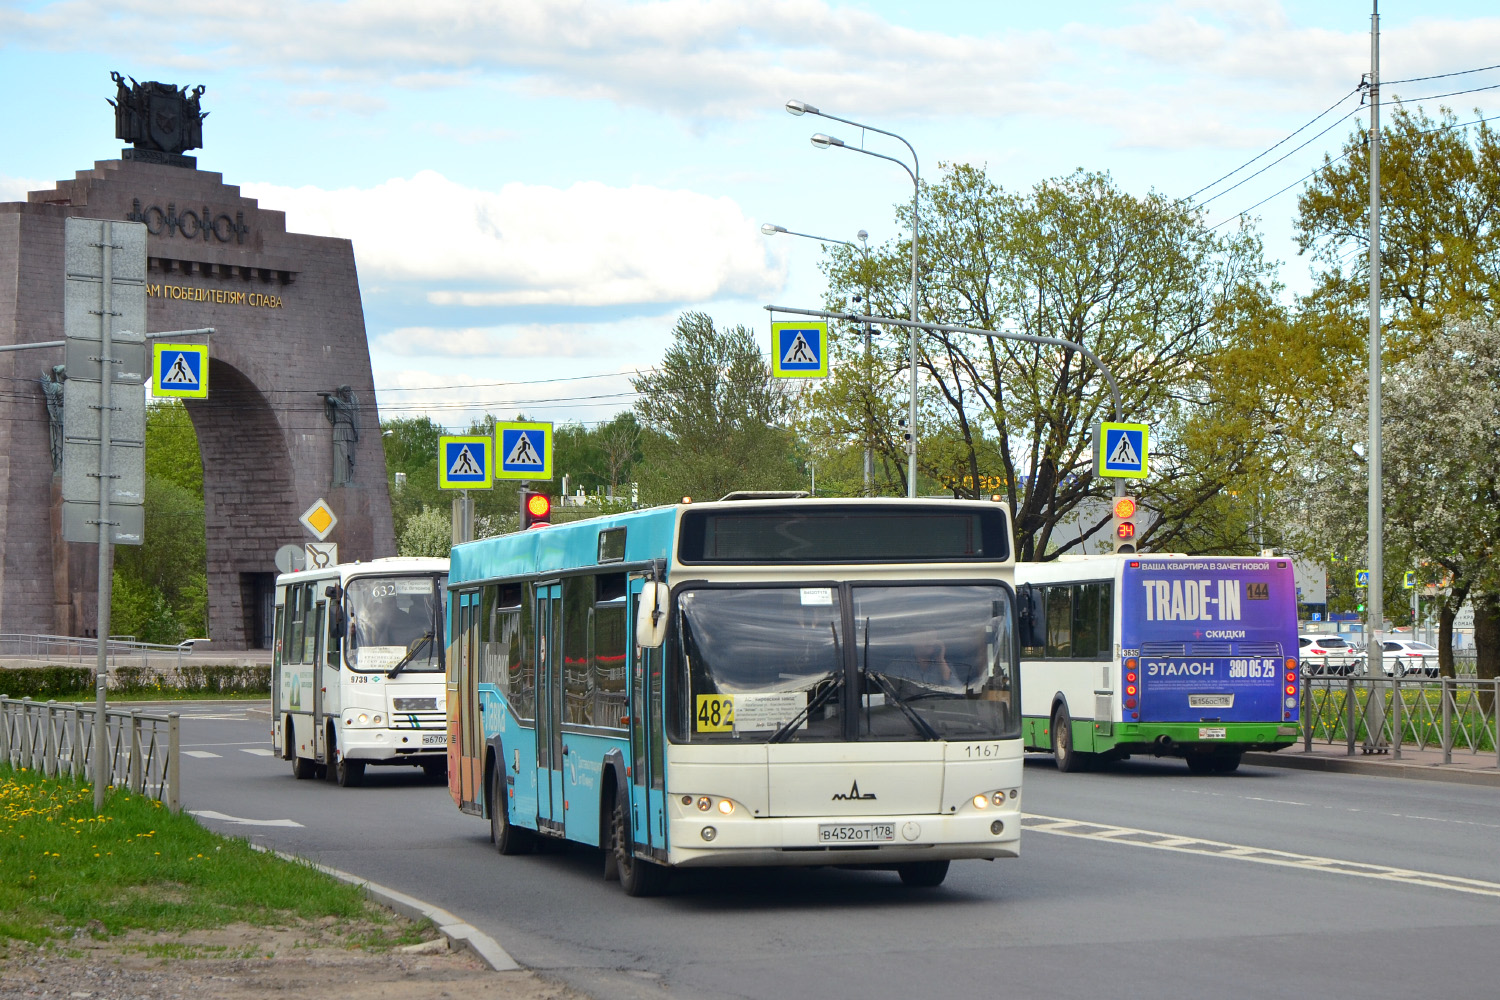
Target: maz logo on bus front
[
  {"x": 1192, "y": 600},
  {"x": 853, "y": 794}
]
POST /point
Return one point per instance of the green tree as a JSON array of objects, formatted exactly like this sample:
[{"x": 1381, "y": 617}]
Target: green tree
[
  {"x": 1138, "y": 280},
  {"x": 429, "y": 532},
  {"x": 1440, "y": 237},
  {"x": 720, "y": 420}
]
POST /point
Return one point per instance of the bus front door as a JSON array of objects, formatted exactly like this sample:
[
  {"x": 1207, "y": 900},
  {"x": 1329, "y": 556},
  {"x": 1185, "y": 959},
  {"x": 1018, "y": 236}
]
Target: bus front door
[
  {"x": 550, "y": 807},
  {"x": 647, "y": 820}
]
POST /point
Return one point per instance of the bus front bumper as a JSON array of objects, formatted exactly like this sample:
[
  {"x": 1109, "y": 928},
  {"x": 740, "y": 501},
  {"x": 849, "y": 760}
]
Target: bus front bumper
[
  {"x": 392, "y": 744},
  {"x": 713, "y": 840}
]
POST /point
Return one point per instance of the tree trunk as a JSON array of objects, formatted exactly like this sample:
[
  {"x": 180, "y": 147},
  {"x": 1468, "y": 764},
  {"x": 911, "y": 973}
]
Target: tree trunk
[
  {"x": 1487, "y": 645},
  {"x": 1447, "y": 610}
]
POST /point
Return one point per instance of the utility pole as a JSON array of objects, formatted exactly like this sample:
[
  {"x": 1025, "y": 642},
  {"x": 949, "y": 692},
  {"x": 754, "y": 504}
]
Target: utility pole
[{"x": 1375, "y": 605}]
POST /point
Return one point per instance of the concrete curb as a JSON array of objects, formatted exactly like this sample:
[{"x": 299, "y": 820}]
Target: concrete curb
[
  {"x": 1387, "y": 768},
  {"x": 458, "y": 932}
]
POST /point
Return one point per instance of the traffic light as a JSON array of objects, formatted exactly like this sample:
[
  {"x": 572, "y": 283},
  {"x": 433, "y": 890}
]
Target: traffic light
[
  {"x": 1124, "y": 524},
  {"x": 536, "y": 510}
]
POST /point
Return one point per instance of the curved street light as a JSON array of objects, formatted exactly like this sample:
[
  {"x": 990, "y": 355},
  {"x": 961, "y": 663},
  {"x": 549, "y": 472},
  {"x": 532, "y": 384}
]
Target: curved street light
[{"x": 822, "y": 141}]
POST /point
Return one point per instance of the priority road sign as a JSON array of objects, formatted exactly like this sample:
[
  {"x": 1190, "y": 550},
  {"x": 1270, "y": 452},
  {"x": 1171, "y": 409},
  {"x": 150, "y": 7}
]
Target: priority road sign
[
  {"x": 524, "y": 450},
  {"x": 799, "y": 350},
  {"x": 179, "y": 371},
  {"x": 319, "y": 519},
  {"x": 1122, "y": 450},
  {"x": 464, "y": 463}
]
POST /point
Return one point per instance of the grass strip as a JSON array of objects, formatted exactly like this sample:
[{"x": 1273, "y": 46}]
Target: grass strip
[{"x": 139, "y": 866}]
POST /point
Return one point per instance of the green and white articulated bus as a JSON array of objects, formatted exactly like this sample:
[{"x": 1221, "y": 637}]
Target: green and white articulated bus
[
  {"x": 357, "y": 669},
  {"x": 763, "y": 680},
  {"x": 1167, "y": 655}
]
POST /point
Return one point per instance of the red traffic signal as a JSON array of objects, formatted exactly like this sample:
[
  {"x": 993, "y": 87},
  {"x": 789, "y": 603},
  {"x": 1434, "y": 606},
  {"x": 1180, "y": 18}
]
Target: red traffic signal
[
  {"x": 1124, "y": 510},
  {"x": 536, "y": 510}
]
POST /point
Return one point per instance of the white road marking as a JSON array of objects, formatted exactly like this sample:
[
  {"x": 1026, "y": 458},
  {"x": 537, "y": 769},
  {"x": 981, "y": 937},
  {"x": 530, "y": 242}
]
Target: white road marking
[
  {"x": 240, "y": 820},
  {"x": 240, "y": 743},
  {"x": 1260, "y": 855},
  {"x": 199, "y": 753},
  {"x": 258, "y": 751}
]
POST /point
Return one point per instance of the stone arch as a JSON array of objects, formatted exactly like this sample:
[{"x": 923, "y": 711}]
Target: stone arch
[
  {"x": 289, "y": 325},
  {"x": 249, "y": 500}
]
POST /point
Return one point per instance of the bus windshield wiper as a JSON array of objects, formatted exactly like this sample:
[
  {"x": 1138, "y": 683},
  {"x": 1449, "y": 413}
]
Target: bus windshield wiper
[
  {"x": 921, "y": 724},
  {"x": 813, "y": 704},
  {"x": 416, "y": 647}
]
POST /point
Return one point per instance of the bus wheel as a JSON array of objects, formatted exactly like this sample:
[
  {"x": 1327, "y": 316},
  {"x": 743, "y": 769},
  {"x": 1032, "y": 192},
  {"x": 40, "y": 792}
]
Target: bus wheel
[
  {"x": 436, "y": 771},
  {"x": 1201, "y": 763},
  {"x": 506, "y": 838},
  {"x": 1227, "y": 761},
  {"x": 1069, "y": 760},
  {"x": 637, "y": 877},
  {"x": 302, "y": 768},
  {"x": 923, "y": 874},
  {"x": 349, "y": 773}
]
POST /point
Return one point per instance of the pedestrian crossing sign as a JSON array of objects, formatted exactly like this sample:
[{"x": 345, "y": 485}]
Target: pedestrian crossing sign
[
  {"x": 179, "y": 371},
  {"x": 524, "y": 450},
  {"x": 464, "y": 463},
  {"x": 799, "y": 350},
  {"x": 1122, "y": 450}
]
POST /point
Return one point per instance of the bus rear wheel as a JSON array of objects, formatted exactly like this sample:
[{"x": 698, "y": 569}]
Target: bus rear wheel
[
  {"x": 506, "y": 838},
  {"x": 1200, "y": 763},
  {"x": 302, "y": 768},
  {"x": 1227, "y": 761},
  {"x": 637, "y": 877},
  {"x": 923, "y": 874},
  {"x": 1069, "y": 760}
]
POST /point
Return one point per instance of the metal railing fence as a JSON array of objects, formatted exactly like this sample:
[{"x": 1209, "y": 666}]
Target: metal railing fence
[
  {"x": 1344, "y": 664},
  {"x": 1387, "y": 714},
  {"x": 142, "y": 750}
]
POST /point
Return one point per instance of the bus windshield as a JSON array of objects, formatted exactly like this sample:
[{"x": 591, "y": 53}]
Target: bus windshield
[
  {"x": 774, "y": 664},
  {"x": 391, "y": 617}
]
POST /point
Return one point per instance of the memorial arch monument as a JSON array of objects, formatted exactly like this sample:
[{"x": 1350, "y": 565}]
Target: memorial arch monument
[{"x": 291, "y": 414}]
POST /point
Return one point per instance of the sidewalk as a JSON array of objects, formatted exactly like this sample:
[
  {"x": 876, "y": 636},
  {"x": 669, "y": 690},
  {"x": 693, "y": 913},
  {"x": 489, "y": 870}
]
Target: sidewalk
[{"x": 1467, "y": 768}]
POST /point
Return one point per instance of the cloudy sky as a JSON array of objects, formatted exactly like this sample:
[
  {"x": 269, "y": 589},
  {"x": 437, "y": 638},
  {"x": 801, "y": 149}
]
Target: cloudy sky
[{"x": 537, "y": 188}]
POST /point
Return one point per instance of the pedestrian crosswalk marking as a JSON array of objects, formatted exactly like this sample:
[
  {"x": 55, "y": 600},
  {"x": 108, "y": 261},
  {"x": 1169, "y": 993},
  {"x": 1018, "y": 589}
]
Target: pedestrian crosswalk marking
[
  {"x": 1123, "y": 453},
  {"x": 799, "y": 353},
  {"x": 180, "y": 374},
  {"x": 201, "y": 754},
  {"x": 257, "y": 751},
  {"x": 524, "y": 453},
  {"x": 465, "y": 465}
]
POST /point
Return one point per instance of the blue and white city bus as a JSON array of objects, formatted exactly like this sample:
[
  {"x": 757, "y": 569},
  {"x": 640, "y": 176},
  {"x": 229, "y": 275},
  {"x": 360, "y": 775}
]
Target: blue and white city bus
[
  {"x": 763, "y": 680},
  {"x": 1167, "y": 655}
]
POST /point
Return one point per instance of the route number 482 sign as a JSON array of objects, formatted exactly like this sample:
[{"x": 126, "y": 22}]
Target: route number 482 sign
[{"x": 715, "y": 713}]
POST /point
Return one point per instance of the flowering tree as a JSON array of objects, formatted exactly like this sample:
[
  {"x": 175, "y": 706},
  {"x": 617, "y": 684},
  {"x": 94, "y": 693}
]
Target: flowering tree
[{"x": 1441, "y": 457}]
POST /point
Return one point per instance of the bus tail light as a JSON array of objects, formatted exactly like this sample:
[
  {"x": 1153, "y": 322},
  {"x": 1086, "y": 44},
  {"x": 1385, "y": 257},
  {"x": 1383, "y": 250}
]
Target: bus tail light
[
  {"x": 1130, "y": 663},
  {"x": 1291, "y": 689},
  {"x": 1130, "y": 703}
]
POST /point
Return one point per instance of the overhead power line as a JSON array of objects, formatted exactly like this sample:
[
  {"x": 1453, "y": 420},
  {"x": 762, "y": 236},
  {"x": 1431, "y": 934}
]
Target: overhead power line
[
  {"x": 1313, "y": 121},
  {"x": 1440, "y": 76}
]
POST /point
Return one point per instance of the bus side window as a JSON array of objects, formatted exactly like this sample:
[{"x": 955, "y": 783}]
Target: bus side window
[
  {"x": 1086, "y": 621},
  {"x": 522, "y": 664},
  {"x": 332, "y": 646},
  {"x": 1033, "y": 618},
  {"x": 578, "y": 615},
  {"x": 637, "y": 702},
  {"x": 1060, "y": 622}
]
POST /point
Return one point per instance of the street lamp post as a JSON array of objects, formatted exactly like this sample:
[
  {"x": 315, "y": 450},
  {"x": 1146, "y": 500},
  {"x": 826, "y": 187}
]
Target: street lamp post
[
  {"x": 822, "y": 141},
  {"x": 771, "y": 229}
]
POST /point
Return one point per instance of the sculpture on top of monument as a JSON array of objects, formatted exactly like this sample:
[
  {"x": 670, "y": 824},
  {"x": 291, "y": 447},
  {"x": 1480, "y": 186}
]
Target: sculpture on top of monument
[
  {"x": 341, "y": 407},
  {"x": 52, "y": 389},
  {"x": 162, "y": 121}
]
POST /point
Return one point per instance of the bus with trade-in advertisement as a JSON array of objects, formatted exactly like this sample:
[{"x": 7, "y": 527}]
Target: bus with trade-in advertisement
[{"x": 1164, "y": 655}]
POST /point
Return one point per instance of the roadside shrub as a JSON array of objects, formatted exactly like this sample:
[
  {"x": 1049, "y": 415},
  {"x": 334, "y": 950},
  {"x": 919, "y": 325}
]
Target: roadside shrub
[{"x": 44, "y": 683}]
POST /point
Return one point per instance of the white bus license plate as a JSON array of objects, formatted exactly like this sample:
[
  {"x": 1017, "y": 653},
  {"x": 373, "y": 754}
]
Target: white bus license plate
[
  {"x": 1210, "y": 701},
  {"x": 434, "y": 739},
  {"x": 856, "y": 833},
  {"x": 1213, "y": 733}
]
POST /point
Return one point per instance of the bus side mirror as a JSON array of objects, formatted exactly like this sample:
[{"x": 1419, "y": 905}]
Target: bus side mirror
[
  {"x": 651, "y": 617},
  {"x": 1029, "y": 606}
]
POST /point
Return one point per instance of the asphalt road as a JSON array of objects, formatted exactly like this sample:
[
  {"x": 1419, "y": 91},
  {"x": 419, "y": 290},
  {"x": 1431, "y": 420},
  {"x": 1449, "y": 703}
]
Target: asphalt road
[{"x": 1142, "y": 881}]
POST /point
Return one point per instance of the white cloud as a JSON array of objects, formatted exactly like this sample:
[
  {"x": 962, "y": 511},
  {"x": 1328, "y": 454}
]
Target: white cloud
[
  {"x": 586, "y": 245},
  {"x": 539, "y": 340},
  {"x": 695, "y": 58},
  {"x": 15, "y": 188}
]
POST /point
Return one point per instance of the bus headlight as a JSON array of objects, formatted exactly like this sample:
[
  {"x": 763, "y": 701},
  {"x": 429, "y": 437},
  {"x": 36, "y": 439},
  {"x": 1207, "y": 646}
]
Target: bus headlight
[
  {"x": 981, "y": 801},
  {"x": 363, "y": 719},
  {"x": 709, "y": 833},
  {"x": 726, "y": 807}
]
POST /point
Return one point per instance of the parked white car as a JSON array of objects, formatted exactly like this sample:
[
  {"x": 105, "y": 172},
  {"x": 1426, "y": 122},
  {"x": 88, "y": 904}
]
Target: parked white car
[
  {"x": 1407, "y": 657},
  {"x": 1325, "y": 653}
]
